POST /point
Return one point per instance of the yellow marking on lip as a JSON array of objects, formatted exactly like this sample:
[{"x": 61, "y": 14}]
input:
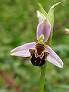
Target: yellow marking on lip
[{"x": 41, "y": 39}]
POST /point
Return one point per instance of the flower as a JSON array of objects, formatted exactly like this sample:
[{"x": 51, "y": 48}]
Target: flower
[{"x": 39, "y": 50}]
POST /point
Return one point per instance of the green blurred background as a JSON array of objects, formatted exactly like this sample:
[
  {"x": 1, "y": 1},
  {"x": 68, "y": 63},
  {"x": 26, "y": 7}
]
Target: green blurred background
[{"x": 18, "y": 22}]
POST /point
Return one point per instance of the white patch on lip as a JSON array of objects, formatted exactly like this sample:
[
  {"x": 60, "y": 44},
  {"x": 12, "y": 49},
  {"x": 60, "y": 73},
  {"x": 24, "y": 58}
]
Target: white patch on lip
[{"x": 41, "y": 55}]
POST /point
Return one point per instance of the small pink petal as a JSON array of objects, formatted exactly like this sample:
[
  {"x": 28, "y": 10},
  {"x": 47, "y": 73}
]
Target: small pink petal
[
  {"x": 44, "y": 28},
  {"x": 53, "y": 57},
  {"x": 23, "y": 50}
]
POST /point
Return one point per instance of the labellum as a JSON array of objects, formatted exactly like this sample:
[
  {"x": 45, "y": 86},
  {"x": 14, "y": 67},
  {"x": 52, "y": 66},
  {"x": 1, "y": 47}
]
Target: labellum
[{"x": 38, "y": 55}]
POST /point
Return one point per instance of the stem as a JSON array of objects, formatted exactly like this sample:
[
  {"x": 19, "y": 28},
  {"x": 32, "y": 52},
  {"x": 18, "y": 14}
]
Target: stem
[{"x": 42, "y": 78}]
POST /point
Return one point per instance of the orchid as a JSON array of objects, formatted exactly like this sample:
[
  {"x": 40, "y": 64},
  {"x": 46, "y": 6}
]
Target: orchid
[{"x": 39, "y": 51}]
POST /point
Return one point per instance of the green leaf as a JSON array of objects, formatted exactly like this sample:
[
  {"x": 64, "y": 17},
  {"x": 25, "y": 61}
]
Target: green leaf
[{"x": 50, "y": 15}]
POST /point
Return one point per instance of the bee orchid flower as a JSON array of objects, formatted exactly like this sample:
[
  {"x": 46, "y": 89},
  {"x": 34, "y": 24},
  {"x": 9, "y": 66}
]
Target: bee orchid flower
[{"x": 39, "y": 51}]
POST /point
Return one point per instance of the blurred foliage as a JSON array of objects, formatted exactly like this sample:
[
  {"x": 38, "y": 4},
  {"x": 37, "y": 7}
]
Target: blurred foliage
[{"x": 18, "y": 24}]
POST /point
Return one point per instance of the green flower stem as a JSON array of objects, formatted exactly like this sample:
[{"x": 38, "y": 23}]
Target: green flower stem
[{"x": 42, "y": 78}]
